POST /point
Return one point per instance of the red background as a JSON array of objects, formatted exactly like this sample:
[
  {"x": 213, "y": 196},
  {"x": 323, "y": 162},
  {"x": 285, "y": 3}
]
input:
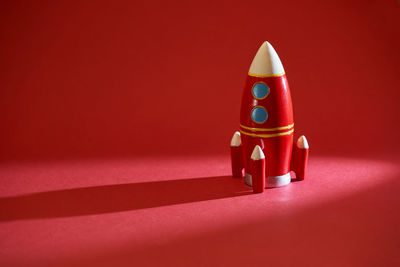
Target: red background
[
  {"x": 141, "y": 86},
  {"x": 95, "y": 78}
]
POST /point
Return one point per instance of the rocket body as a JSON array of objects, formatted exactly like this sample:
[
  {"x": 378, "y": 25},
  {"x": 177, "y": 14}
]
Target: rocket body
[
  {"x": 266, "y": 122},
  {"x": 266, "y": 119}
]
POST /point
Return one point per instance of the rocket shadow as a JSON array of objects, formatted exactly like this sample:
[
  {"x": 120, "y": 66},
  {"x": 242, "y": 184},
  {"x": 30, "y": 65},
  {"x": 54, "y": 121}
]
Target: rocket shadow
[{"x": 119, "y": 197}]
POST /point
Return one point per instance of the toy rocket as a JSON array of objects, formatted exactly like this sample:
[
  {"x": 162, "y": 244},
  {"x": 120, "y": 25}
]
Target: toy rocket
[{"x": 263, "y": 147}]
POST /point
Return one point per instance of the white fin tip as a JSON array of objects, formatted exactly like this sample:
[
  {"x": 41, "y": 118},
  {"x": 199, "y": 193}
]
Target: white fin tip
[
  {"x": 236, "y": 140},
  {"x": 257, "y": 153},
  {"x": 302, "y": 142}
]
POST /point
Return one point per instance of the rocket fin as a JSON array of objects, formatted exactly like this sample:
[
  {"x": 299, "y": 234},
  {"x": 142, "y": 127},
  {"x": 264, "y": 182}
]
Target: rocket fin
[
  {"x": 300, "y": 157},
  {"x": 258, "y": 170},
  {"x": 236, "y": 155}
]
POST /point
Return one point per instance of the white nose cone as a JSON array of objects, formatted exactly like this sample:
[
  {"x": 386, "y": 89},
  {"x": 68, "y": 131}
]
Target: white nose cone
[
  {"x": 236, "y": 140},
  {"x": 257, "y": 153},
  {"x": 302, "y": 142},
  {"x": 266, "y": 63}
]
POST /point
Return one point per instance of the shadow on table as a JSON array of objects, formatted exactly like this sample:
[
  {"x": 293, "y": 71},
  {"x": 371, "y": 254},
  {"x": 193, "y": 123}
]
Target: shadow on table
[{"x": 120, "y": 197}]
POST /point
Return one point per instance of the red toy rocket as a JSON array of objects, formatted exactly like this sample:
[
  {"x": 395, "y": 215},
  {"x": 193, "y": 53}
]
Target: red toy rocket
[{"x": 263, "y": 147}]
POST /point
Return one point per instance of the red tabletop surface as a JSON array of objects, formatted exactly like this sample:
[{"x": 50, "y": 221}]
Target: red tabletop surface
[
  {"x": 191, "y": 212},
  {"x": 116, "y": 119}
]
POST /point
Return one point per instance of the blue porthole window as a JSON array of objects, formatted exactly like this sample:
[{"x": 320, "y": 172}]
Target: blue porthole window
[
  {"x": 259, "y": 114},
  {"x": 260, "y": 90}
]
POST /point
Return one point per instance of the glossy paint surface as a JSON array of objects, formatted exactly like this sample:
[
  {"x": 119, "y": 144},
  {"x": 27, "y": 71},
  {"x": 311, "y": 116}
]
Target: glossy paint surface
[
  {"x": 236, "y": 161},
  {"x": 258, "y": 175},
  {"x": 278, "y": 103},
  {"x": 299, "y": 162}
]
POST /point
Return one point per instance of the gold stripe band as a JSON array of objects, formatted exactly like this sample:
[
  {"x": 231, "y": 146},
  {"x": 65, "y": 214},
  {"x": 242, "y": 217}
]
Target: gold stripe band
[
  {"x": 266, "y": 75},
  {"x": 267, "y": 129},
  {"x": 267, "y": 135}
]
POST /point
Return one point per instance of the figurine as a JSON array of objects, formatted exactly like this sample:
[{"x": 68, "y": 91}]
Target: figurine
[{"x": 263, "y": 147}]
